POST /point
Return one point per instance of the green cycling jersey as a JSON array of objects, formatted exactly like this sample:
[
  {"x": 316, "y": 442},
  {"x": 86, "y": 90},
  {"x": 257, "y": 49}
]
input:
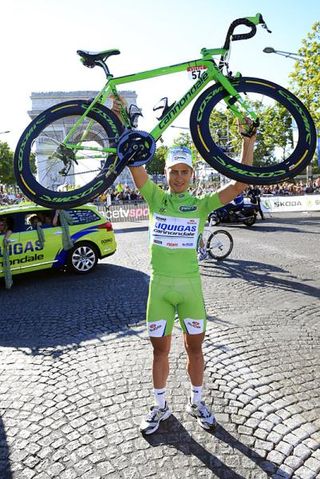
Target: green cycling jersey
[{"x": 176, "y": 221}]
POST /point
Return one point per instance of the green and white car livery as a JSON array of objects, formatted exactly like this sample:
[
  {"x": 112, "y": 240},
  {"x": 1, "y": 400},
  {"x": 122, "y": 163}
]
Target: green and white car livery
[{"x": 91, "y": 233}]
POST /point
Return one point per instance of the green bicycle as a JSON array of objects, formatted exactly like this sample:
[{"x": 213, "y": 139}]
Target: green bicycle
[{"x": 74, "y": 150}]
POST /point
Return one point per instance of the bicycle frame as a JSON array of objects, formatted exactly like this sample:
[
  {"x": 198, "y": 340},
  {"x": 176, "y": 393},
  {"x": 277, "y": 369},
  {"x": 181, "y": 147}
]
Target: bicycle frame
[{"x": 212, "y": 73}]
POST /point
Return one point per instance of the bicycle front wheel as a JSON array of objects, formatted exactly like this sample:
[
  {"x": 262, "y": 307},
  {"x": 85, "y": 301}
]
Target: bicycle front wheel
[
  {"x": 286, "y": 138},
  {"x": 219, "y": 244},
  {"x": 59, "y": 169}
]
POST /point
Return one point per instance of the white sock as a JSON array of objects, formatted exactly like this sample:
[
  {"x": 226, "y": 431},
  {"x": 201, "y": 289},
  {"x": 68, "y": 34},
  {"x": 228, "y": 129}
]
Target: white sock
[
  {"x": 196, "y": 393},
  {"x": 160, "y": 397}
]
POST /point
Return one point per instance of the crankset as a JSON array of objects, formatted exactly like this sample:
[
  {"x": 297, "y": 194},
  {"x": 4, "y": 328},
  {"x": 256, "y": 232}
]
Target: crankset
[{"x": 136, "y": 147}]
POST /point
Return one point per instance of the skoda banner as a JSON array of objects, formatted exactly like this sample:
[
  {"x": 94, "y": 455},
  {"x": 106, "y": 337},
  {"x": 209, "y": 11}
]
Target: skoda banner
[{"x": 274, "y": 204}]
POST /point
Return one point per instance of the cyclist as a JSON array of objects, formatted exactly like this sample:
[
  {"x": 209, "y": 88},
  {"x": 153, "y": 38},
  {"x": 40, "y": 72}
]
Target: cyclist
[{"x": 176, "y": 220}]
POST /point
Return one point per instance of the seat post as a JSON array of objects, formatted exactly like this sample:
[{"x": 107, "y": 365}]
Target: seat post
[{"x": 105, "y": 68}]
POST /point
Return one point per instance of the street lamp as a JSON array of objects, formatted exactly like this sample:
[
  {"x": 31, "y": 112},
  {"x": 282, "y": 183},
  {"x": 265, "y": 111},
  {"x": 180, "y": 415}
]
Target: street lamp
[{"x": 293, "y": 56}]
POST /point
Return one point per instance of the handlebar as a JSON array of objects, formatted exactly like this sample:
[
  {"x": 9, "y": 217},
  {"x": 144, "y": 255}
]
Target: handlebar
[{"x": 250, "y": 22}]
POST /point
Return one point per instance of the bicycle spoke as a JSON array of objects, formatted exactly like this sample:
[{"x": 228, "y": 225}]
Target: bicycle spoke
[{"x": 57, "y": 164}]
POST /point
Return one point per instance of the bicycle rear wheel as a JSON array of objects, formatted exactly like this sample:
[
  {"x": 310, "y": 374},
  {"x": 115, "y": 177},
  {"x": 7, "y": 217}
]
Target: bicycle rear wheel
[
  {"x": 286, "y": 138},
  {"x": 59, "y": 174},
  {"x": 219, "y": 244}
]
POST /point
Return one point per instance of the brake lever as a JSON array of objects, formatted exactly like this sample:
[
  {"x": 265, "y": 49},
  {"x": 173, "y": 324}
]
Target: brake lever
[{"x": 264, "y": 25}]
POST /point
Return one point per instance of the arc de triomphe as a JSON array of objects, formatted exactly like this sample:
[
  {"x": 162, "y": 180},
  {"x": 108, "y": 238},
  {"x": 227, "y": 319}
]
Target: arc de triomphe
[{"x": 42, "y": 100}]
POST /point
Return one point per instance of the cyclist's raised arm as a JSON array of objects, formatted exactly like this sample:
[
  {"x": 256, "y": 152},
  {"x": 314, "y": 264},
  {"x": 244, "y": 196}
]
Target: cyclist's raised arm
[
  {"x": 139, "y": 175},
  {"x": 234, "y": 188}
]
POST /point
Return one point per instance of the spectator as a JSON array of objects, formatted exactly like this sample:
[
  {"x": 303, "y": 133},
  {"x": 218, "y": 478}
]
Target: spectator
[
  {"x": 6, "y": 227},
  {"x": 309, "y": 189}
]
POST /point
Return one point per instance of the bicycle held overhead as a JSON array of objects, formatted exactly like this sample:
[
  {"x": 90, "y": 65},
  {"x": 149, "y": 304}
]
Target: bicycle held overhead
[{"x": 73, "y": 151}]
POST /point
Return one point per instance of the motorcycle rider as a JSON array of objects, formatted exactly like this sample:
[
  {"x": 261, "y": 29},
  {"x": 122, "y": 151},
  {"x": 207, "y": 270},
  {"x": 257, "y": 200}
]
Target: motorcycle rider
[{"x": 254, "y": 194}]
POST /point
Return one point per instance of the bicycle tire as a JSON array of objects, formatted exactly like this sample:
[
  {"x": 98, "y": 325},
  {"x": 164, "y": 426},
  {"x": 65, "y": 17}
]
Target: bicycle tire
[
  {"x": 296, "y": 114},
  {"x": 45, "y": 133},
  {"x": 215, "y": 248}
]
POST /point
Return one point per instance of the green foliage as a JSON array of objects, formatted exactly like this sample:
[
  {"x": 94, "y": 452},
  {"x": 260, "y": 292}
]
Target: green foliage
[
  {"x": 184, "y": 139},
  {"x": 156, "y": 165},
  {"x": 274, "y": 132},
  {"x": 224, "y": 131},
  {"x": 6, "y": 165},
  {"x": 305, "y": 78},
  {"x": 7, "y": 176}
]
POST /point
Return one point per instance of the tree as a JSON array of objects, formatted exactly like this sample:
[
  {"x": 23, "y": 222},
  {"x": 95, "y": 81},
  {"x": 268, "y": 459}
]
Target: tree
[
  {"x": 156, "y": 165},
  {"x": 184, "y": 139},
  {"x": 6, "y": 165},
  {"x": 305, "y": 78},
  {"x": 274, "y": 133}
]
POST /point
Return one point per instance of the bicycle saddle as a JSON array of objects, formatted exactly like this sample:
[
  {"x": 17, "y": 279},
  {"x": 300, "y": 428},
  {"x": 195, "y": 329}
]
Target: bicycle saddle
[{"x": 90, "y": 58}]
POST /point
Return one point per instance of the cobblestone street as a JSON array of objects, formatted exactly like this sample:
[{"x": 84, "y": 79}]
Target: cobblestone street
[{"x": 76, "y": 366}]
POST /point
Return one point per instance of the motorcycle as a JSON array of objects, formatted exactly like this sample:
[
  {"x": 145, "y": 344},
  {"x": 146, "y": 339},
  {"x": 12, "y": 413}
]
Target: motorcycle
[{"x": 245, "y": 213}]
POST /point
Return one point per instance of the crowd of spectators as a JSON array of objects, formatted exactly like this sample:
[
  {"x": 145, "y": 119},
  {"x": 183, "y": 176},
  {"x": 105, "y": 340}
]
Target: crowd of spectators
[
  {"x": 290, "y": 189},
  {"x": 297, "y": 188},
  {"x": 121, "y": 194},
  {"x": 9, "y": 198}
]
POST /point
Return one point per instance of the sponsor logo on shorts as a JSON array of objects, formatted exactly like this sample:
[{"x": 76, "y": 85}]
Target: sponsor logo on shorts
[
  {"x": 157, "y": 328},
  {"x": 194, "y": 326},
  {"x": 153, "y": 327}
]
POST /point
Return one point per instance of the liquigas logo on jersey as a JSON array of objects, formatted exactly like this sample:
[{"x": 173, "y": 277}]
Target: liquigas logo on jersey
[{"x": 171, "y": 232}]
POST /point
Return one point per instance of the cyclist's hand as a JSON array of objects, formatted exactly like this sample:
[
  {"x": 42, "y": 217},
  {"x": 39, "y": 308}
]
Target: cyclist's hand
[
  {"x": 247, "y": 129},
  {"x": 117, "y": 104}
]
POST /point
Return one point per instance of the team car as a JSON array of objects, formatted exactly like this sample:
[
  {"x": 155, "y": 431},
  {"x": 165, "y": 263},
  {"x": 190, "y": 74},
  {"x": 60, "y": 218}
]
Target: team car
[{"x": 90, "y": 232}]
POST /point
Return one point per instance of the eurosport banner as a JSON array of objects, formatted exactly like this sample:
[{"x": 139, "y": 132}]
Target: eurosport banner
[{"x": 274, "y": 204}]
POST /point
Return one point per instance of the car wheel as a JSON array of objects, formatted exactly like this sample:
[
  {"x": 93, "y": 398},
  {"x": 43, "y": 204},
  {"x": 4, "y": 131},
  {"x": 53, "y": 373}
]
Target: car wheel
[{"x": 82, "y": 258}]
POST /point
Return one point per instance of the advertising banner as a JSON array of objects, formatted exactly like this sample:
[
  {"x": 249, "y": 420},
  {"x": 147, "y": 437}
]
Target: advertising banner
[
  {"x": 126, "y": 212},
  {"x": 134, "y": 212},
  {"x": 275, "y": 204}
]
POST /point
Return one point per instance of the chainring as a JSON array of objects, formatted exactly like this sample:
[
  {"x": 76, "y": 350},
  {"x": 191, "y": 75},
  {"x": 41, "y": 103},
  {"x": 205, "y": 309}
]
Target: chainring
[{"x": 136, "y": 147}]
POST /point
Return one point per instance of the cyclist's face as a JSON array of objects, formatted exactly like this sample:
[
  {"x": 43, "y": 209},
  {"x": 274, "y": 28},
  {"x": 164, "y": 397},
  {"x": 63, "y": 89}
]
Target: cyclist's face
[{"x": 179, "y": 177}]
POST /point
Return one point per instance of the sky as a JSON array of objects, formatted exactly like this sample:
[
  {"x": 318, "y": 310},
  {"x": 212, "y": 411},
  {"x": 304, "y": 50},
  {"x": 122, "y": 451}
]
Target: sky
[{"x": 39, "y": 40}]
